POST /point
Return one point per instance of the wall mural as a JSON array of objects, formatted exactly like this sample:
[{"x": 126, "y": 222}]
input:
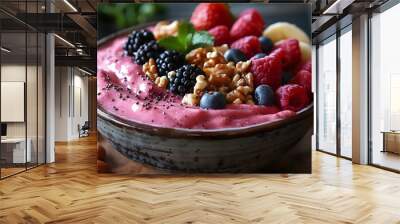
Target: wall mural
[{"x": 204, "y": 88}]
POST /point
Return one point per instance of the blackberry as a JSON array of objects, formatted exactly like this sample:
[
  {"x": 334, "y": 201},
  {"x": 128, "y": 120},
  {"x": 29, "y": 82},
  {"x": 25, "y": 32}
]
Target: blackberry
[
  {"x": 169, "y": 61},
  {"x": 137, "y": 39},
  {"x": 184, "y": 79},
  {"x": 147, "y": 51}
]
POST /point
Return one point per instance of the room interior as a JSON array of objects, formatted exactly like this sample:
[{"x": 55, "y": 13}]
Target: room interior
[
  {"x": 22, "y": 101},
  {"x": 25, "y": 68},
  {"x": 48, "y": 93}
]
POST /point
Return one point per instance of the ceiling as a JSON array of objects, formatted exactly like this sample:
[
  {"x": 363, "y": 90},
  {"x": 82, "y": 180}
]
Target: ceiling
[
  {"x": 330, "y": 16},
  {"x": 75, "y": 21}
]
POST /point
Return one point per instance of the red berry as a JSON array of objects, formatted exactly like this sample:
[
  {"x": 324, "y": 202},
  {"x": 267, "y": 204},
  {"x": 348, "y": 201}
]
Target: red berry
[
  {"x": 292, "y": 52},
  {"x": 221, "y": 35},
  {"x": 249, "y": 45},
  {"x": 307, "y": 66},
  {"x": 208, "y": 15},
  {"x": 250, "y": 22},
  {"x": 279, "y": 54},
  {"x": 292, "y": 97},
  {"x": 303, "y": 78},
  {"x": 253, "y": 12},
  {"x": 302, "y": 66},
  {"x": 267, "y": 70}
]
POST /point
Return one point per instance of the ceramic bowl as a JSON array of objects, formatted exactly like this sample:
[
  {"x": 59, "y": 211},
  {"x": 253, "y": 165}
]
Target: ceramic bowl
[{"x": 255, "y": 148}]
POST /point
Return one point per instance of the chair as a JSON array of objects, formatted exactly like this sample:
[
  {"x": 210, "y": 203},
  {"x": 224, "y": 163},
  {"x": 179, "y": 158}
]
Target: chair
[{"x": 84, "y": 130}]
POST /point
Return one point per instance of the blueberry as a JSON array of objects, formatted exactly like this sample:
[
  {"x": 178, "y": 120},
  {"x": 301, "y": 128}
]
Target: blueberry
[
  {"x": 214, "y": 100},
  {"x": 264, "y": 95},
  {"x": 235, "y": 55},
  {"x": 266, "y": 44},
  {"x": 286, "y": 77},
  {"x": 259, "y": 55}
]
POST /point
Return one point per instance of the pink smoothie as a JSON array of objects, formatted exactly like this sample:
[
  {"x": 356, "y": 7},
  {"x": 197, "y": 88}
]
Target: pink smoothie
[{"x": 124, "y": 91}]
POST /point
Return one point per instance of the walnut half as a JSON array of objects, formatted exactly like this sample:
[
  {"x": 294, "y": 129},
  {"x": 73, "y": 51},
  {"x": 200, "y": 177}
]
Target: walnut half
[
  {"x": 197, "y": 56},
  {"x": 201, "y": 84},
  {"x": 242, "y": 89},
  {"x": 163, "y": 29},
  {"x": 150, "y": 69},
  {"x": 191, "y": 99},
  {"x": 162, "y": 82}
]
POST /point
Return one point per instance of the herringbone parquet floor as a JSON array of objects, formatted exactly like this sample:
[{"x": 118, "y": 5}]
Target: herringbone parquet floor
[{"x": 71, "y": 191}]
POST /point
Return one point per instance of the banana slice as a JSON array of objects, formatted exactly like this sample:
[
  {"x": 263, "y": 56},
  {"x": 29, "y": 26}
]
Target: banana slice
[
  {"x": 305, "y": 51},
  {"x": 283, "y": 30}
]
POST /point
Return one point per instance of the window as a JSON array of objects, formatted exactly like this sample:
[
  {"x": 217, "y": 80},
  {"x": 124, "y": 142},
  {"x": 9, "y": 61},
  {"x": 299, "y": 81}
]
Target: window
[
  {"x": 326, "y": 94},
  {"x": 346, "y": 92},
  {"x": 385, "y": 89},
  {"x": 22, "y": 76}
]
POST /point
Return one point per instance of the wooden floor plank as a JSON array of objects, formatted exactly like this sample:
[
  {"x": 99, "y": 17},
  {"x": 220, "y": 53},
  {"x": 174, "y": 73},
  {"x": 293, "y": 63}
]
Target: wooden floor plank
[{"x": 71, "y": 191}]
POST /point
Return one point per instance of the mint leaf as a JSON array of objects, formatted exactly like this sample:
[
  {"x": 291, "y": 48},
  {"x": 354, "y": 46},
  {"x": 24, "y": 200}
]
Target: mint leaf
[
  {"x": 188, "y": 42},
  {"x": 184, "y": 29},
  {"x": 202, "y": 39},
  {"x": 172, "y": 43},
  {"x": 187, "y": 39},
  {"x": 183, "y": 41},
  {"x": 185, "y": 33}
]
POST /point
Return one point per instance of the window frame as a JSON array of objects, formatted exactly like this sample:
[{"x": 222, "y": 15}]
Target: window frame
[
  {"x": 378, "y": 10},
  {"x": 339, "y": 32},
  {"x": 31, "y": 30}
]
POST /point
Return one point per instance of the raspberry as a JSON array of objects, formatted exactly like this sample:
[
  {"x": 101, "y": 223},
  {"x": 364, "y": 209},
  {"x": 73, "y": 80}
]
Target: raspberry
[
  {"x": 249, "y": 45},
  {"x": 303, "y": 66},
  {"x": 292, "y": 54},
  {"x": 208, "y": 15},
  {"x": 292, "y": 97},
  {"x": 249, "y": 23},
  {"x": 221, "y": 35},
  {"x": 267, "y": 70},
  {"x": 253, "y": 12},
  {"x": 303, "y": 78},
  {"x": 137, "y": 39},
  {"x": 279, "y": 54},
  {"x": 307, "y": 66},
  {"x": 169, "y": 61}
]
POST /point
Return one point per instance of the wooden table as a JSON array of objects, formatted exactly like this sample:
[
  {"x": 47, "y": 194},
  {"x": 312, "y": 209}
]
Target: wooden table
[
  {"x": 391, "y": 141},
  {"x": 13, "y": 150}
]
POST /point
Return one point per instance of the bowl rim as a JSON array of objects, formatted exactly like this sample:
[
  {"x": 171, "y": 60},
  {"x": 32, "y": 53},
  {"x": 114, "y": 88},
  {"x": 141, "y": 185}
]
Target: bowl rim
[{"x": 179, "y": 132}]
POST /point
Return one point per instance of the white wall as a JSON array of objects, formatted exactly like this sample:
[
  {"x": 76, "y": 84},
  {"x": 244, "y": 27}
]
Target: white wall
[
  {"x": 33, "y": 127},
  {"x": 80, "y": 110},
  {"x": 61, "y": 103},
  {"x": 71, "y": 102},
  {"x": 12, "y": 73}
]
